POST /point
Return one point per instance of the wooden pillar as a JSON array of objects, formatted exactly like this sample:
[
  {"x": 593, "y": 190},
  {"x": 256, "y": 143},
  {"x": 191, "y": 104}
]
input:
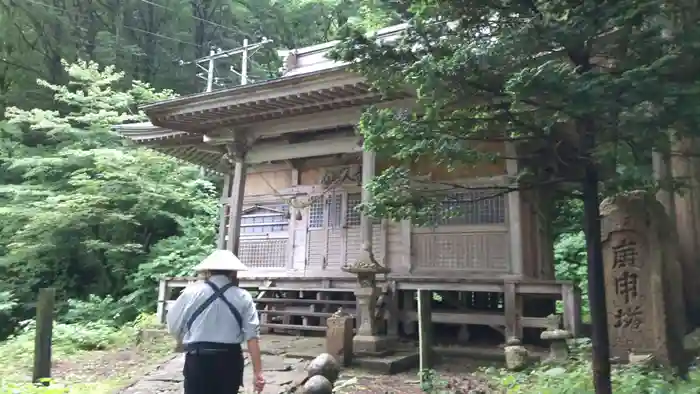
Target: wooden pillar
[
  {"x": 224, "y": 210},
  {"x": 393, "y": 309},
  {"x": 369, "y": 160},
  {"x": 162, "y": 300},
  {"x": 515, "y": 229},
  {"x": 293, "y": 222},
  {"x": 682, "y": 212},
  {"x": 571, "y": 298},
  {"x": 513, "y": 308},
  {"x": 684, "y": 169},
  {"x": 407, "y": 305},
  {"x": 662, "y": 175},
  {"x": 44, "y": 330},
  {"x": 425, "y": 330},
  {"x": 237, "y": 150}
]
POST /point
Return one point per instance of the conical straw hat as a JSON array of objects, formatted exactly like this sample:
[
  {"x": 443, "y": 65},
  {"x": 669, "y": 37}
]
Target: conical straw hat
[{"x": 221, "y": 260}]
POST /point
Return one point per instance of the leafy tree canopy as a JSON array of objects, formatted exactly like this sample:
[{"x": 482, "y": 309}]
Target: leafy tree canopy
[
  {"x": 570, "y": 82},
  {"x": 81, "y": 210}
]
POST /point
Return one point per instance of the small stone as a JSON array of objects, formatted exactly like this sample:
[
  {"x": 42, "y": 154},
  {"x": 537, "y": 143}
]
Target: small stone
[
  {"x": 326, "y": 366},
  {"x": 516, "y": 357},
  {"x": 317, "y": 384},
  {"x": 641, "y": 360}
]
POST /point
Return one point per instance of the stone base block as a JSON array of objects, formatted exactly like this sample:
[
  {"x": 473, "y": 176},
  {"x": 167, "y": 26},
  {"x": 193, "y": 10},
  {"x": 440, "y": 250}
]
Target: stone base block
[
  {"x": 397, "y": 362},
  {"x": 372, "y": 345}
]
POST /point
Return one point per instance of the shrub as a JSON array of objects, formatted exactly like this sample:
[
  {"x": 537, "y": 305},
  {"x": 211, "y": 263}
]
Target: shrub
[
  {"x": 94, "y": 309},
  {"x": 570, "y": 264}
]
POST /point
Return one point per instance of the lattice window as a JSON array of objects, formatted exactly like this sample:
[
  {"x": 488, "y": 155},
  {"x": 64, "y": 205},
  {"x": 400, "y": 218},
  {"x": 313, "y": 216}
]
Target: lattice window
[
  {"x": 330, "y": 205},
  {"x": 264, "y": 219},
  {"x": 471, "y": 208},
  {"x": 353, "y": 211},
  {"x": 264, "y": 253},
  {"x": 316, "y": 214}
]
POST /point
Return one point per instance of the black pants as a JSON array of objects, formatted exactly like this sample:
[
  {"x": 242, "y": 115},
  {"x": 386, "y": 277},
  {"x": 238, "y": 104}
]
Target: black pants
[{"x": 213, "y": 372}]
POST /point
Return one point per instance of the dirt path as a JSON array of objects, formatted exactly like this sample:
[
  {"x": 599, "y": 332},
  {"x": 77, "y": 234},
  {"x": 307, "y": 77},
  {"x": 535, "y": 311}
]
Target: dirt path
[{"x": 280, "y": 371}]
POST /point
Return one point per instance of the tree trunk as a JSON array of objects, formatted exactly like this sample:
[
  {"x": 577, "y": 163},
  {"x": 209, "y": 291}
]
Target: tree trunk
[{"x": 596, "y": 273}]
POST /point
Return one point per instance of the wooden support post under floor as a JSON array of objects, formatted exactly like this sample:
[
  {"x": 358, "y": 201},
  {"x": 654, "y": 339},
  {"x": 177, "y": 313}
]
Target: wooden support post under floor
[
  {"x": 513, "y": 308},
  {"x": 425, "y": 330}
]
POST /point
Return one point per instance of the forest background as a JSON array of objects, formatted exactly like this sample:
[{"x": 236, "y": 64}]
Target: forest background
[
  {"x": 81, "y": 210},
  {"x": 101, "y": 221}
]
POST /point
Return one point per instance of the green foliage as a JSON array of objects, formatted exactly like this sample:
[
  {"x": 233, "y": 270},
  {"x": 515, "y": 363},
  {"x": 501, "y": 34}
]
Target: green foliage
[
  {"x": 528, "y": 72},
  {"x": 570, "y": 264},
  {"x": 430, "y": 381},
  {"x": 7, "y": 302},
  {"x": 70, "y": 342},
  {"x": 575, "y": 378},
  {"x": 93, "y": 309},
  {"x": 568, "y": 216},
  {"x": 82, "y": 211}
]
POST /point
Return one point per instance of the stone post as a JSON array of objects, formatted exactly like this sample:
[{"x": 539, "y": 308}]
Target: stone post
[
  {"x": 339, "y": 337},
  {"x": 643, "y": 279},
  {"x": 516, "y": 355}
]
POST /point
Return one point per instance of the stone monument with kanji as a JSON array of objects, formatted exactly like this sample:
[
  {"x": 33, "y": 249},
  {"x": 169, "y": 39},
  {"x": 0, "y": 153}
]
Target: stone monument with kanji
[{"x": 642, "y": 279}]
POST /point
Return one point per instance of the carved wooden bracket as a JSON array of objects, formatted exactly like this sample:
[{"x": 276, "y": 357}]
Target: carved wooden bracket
[{"x": 234, "y": 152}]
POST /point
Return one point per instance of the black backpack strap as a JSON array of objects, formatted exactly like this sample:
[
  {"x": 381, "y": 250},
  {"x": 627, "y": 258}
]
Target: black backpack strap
[{"x": 218, "y": 294}]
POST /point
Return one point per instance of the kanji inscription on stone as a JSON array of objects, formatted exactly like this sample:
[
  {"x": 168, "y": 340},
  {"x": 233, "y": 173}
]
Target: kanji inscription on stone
[
  {"x": 627, "y": 286},
  {"x": 628, "y": 317},
  {"x": 625, "y": 254}
]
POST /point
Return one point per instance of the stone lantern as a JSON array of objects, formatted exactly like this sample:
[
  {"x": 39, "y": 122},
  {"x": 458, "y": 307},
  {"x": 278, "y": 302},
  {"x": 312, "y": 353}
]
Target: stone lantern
[
  {"x": 557, "y": 337},
  {"x": 367, "y": 339}
]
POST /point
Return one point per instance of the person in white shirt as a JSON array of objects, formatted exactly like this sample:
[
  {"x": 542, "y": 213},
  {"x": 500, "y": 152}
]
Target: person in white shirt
[{"x": 211, "y": 319}]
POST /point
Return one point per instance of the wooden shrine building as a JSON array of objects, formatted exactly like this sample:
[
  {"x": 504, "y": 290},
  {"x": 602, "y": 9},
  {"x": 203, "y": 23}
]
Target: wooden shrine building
[{"x": 294, "y": 167}]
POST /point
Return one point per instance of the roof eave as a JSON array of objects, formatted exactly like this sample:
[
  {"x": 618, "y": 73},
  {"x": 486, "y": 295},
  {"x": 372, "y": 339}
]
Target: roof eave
[{"x": 179, "y": 102}]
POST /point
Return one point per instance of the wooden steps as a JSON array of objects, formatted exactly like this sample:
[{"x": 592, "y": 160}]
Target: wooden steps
[{"x": 298, "y": 309}]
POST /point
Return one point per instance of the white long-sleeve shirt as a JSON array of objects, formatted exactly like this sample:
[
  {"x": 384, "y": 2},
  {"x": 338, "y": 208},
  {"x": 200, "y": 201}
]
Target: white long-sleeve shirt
[{"x": 216, "y": 324}]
